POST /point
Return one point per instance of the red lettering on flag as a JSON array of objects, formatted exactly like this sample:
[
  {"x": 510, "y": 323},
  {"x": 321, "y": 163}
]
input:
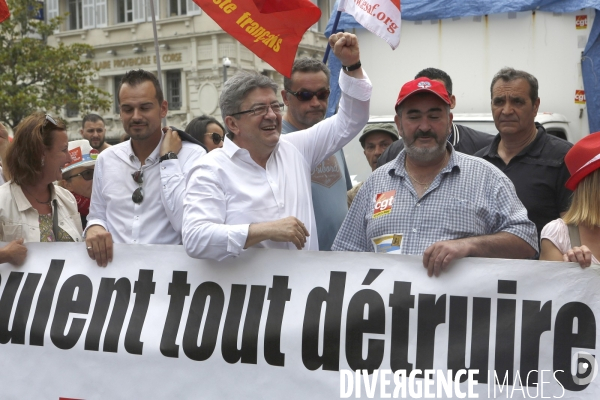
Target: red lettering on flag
[{"x": 271, "y": 29}]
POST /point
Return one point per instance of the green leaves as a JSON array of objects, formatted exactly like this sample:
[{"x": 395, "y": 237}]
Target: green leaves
[{"x": 36, "y": 76}]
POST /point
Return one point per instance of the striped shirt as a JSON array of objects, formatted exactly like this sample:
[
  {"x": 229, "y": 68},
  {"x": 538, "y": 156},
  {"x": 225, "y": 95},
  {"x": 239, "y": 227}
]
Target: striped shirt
[{"x": 469, "y": 197}]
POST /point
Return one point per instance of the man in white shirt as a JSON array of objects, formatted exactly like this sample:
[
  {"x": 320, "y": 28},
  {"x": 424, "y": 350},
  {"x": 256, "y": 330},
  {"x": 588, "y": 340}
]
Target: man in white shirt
[
  {"x": 139, "y": 184},
  {"x": 256, "y": 190}
]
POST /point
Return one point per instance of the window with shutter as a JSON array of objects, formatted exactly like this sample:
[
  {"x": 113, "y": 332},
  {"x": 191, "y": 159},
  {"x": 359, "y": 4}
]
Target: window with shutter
[
  {"x": 148, "y": 9},
  {"x": 192, "y": 8},
  {"x": 88, "y": 9},
  {"x": 101, "y": 20},
  {"x": 139, "y": 10},
  {"x": 51, "y": 9}
]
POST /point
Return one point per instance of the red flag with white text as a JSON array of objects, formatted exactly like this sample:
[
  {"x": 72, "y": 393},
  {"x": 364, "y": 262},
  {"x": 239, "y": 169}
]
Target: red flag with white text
[
  {"x": 4, "y": 12},
  {"x": 382, "y": 17},
  {"x": 271, "y": 29}
]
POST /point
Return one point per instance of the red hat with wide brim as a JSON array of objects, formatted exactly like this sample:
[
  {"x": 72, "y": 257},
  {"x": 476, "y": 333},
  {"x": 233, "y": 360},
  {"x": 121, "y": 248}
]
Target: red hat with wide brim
[
  {"x": 583, "y": 159},
  {"x": 422, "y": 85}
]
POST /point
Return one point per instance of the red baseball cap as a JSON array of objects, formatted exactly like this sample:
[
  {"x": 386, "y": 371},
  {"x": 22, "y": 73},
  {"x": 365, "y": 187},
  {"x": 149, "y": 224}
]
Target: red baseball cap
[
  {"x": 422, "y": 85},
  {"x": 583, "y": 159}
]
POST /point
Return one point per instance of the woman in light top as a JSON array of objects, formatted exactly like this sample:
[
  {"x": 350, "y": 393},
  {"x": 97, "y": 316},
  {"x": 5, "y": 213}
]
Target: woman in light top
[
  {"x": 32, "y": 208},
  {"x": 576, "y": 236}
]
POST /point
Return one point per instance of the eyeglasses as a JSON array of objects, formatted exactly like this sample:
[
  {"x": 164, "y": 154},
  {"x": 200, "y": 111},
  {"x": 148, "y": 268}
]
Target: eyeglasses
[
  {"x": 262, "y": 110},
  {"x": 88, "y": 175},
  {"x": 138, "y": 194},
  {"x": 306, "y": 95},
  {"x": 216, "y": 138}
]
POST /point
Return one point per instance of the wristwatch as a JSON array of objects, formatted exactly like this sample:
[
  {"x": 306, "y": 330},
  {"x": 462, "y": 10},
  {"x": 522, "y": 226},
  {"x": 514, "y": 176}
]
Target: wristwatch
[
  {"x": 169, "y": 156},
  {"x": 352, "y": 67}
]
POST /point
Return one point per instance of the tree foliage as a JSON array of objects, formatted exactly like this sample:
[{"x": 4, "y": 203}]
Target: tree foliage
[{"x": 37, "y": 76}]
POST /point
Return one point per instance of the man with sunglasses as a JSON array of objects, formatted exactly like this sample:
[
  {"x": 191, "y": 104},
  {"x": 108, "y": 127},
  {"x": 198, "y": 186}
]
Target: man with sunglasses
[
  {"x": 256, "y": 190},
  {"x": 78, "y": 176},
  {"x": 305, "y": 95}
]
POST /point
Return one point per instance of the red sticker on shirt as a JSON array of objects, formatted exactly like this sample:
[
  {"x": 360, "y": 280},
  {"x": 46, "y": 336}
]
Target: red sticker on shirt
[{"x": 383, "y": 203}]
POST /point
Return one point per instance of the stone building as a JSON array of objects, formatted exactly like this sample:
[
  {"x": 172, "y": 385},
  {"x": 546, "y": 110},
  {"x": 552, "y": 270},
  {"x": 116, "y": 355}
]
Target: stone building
[{"x": 193, "y": 52}]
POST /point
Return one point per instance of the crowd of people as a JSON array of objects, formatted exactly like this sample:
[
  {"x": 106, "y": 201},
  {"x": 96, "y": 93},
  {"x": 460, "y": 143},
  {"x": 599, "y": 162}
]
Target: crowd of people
[{"x": 273, "y": 174}]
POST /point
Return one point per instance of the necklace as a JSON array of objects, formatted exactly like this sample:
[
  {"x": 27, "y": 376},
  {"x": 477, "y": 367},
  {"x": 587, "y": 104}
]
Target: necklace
[
  {"x": 425, "y": 185},
  {"x": 40, "y": 202}
]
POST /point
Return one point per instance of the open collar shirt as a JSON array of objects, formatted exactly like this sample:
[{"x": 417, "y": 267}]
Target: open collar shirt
[
  {"x": 158, "y": 218},
  {"x": 228, "y": 191},
  {"x": 539, "y": 174},
  {"x": 468, "y": 197}
]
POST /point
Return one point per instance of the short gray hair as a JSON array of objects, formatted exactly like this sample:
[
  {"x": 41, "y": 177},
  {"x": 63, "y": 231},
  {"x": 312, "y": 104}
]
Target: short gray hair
[
  {"x": 237, "y": 88},
  {"x": 508, "y": 74},
  {"x": 306, "y": 64}
]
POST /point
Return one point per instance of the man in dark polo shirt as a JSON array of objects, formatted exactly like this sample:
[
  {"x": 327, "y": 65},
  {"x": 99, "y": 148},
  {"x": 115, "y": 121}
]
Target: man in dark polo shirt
[
  {"x": 462, "y": 138},
  {"x": 530, "y": 157}
]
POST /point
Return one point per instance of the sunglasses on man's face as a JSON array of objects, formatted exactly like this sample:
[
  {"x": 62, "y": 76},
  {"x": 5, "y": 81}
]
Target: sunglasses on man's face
[
  {"x": 306, "y": 95},
  {"x": 88, "y": 175},
  {"x": 216, "y": 138}
]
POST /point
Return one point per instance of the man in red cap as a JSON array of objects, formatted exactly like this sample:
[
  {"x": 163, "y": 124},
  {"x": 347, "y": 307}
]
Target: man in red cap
[
  {"x": 433, "y": 200},
  {"x": 462, "y": 138}
]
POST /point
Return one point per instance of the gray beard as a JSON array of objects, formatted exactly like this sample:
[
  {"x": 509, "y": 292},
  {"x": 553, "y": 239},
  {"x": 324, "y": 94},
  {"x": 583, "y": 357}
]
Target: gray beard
[{"x": 425, "y": 155}]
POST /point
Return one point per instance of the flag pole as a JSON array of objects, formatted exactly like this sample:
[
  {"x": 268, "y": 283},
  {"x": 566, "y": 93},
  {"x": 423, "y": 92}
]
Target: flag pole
[
  {"x": 335, "y": 24},
  {"x": 156, "y": 50}
]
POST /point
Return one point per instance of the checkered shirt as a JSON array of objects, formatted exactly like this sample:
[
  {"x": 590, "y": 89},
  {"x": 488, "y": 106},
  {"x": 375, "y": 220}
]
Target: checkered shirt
[{"x": 469, "y": 197}]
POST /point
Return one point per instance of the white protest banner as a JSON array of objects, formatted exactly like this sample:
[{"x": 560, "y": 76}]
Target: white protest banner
[
  {"x": 382, "y": 17},
  {"x": 274, "y": 324}
]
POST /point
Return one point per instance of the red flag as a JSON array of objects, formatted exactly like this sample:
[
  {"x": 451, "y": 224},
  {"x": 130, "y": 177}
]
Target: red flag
[
  {"x": 4, "y": 13},
  {"x": 271, "y": 29}
]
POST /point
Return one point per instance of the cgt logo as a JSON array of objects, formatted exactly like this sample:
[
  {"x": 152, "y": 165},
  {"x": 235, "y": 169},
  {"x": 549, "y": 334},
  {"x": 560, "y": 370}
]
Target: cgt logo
[
  {"x": 585, "y": 366},
  {"x": 383, "y": 203},
  {"x": 579, "y": 96},
  {"x": 581, "y": 22}
]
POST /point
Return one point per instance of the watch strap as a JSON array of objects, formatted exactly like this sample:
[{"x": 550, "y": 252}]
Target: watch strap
[
  {"x": 352, "y": 67},
  {"x": 168, "y": 156}
]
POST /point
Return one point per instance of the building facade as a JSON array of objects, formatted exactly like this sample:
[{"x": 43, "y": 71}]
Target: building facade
[{"x": 193, "y": 51}]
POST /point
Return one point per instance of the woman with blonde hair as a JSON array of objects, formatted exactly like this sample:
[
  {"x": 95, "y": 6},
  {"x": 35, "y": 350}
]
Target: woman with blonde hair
[
  {"x": 32, "y": 208},
  {"x": 576, "y": 236}
]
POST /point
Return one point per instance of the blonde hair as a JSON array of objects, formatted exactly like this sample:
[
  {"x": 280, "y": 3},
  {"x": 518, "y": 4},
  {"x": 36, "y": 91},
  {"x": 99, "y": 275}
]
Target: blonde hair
[{"x": 585, "y": 207}]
